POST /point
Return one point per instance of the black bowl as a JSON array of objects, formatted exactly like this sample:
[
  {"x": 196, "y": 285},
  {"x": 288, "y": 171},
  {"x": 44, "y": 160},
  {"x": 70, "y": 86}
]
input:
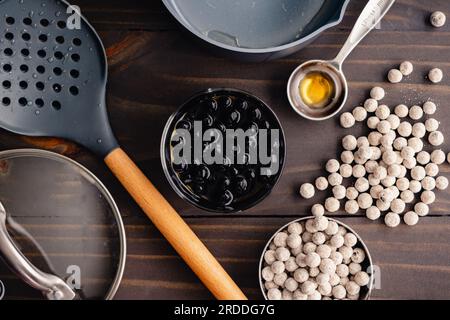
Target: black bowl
[{"x": 215, "y": 150}]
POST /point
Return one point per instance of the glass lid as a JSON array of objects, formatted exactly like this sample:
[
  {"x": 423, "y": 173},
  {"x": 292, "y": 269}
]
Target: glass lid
[{"x": 64, "y": 222}]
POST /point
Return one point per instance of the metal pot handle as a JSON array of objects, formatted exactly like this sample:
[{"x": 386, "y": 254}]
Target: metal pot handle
[{"x": 53, "y": 287}]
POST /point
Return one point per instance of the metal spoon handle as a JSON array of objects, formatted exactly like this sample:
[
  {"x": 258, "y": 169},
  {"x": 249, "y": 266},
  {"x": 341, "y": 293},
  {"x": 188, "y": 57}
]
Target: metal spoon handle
[{"x": 371, "y": 16}]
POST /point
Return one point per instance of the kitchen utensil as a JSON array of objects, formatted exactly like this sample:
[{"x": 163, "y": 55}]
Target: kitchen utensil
[
  {"x": 370, "y": 17},
  {"x": 228, "y": 186},
  {"x": 257, "y": 30},
  {"x": 60, "y": 230},
  {"x": 367, "y": 265},
  {"x": 53, "y": 82}
]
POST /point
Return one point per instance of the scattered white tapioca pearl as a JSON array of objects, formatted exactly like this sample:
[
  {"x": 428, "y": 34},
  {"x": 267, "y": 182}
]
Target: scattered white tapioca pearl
[
  {"x": 392, "y": 220},
  {"x": 383, "y": 112},
  {"x": 347, "y": 120},
  {"x": 438, "y": 19},
  {"x": 442, "y": 183},
  {"x": 395, "y": 76},
  {"x": 406, "y": 68},
  {"x": 377, "y": 93},
  {"x": 307, "y": 191},
  {"x": 436, "y": 75},
  {"x": 436, "y": 138},
  {"x": 322, "y": 183},
  {"x": 411, "y": 218},
  {"x": 360, "y": 114},
  {"x": 416, "y": 113},
  {"x": 401, "y": 111},
  {"x": 371, "y": 105},
  {"x": 429, "y": 108}
]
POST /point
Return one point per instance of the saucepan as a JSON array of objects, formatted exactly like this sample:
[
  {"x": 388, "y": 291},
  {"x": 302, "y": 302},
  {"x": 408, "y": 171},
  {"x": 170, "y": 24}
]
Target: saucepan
[{"x": 257, "y": 30}]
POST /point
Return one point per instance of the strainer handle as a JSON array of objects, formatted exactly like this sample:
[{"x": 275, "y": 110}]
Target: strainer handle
[
  {"x": 53, "y": 287},
  {"x": 173, "y": 227}
]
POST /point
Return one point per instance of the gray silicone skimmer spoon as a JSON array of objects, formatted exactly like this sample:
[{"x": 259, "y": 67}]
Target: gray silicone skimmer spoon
[
  {"x": 53, "y": 77},
  {"x": 370, "y": 17}
]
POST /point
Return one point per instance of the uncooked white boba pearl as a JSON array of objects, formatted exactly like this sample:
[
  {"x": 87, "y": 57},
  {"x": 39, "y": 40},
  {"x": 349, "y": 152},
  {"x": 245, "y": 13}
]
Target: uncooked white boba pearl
[
  {"x": 392, "y": 220},
  {"x": 394, "y": 121},
  {"x": 351, "y": 207},
  {"x": 320, "y": 224},
  {"x": 394, "y": 170},
  {"x": 278, "y": 267},
  {"x": 335, "y": 179},
  {"x": 352, "y": 193},
  {"x": 373, "y": 213},
  {"x": 359, "y": 171},
  {"x": 410, "y": 163},
  {"x": 349, "y": 143},
  {"x": 308, "y": 287},
  {"x": 318, "y": 210},
  {"x": 432, "y": 125},
  {"x": 429, "y": 183},
  {"x": 362, "y": 142},
  {"x": 402, "y": 184},
  {"x": 429, "y": 108},
  {"x": 382, "y": 205},
  {"x": 408, "y": 152},
  {"x": 376, "y": 154},
  {"x": 401, "y": 111},
  {"x": 371, "y": 105},
  {"x": 373, "y": 122},
  {"x": 370, "y": 166},
  {"x": 384, "y": 127},
  {"x": 415, "y": 186},
  {"x": 416, "y": 113},
  {"x": 295, "y": 228},
  {"x": 280, "y": 278},
  {"x": 280, "y": 239},
  {"x": 390, "y": 157},
  {"x": 411, "y": 218},
  {"x": 332, "y": 166},
  {"x": 377, "y": 93},
  {"x": 436, "y": 138},
  {"x": 416, "y": 144},
  {"x": 269, "y": 258},
  {"x": 312, "y": 260},
  {"x": 406, "y": 68},
  {"x": 442, "y": 183},
  {"x": 376, "y": 191},
  {"x": 282, "y": 254},
  {"x": 298, "y": 295},
  {"x": 435, "y": 75},
  {"x": 339, "y": 192},
  {"x": 307, "y": 191},
  {"x": 346, "y": 170},
  {"x": 423, "y": 158},
  {"x": 291, "y": 285},
  {"x": 380, "y": 173},
  {"x": 322, "y": 183},
  {"x": 332, "y": 228},
  {"x": 419, "y": 130},
  {"x": 347, "y": 120},
  {"x": 310, "y": 228},
  {"x": 365, "y": 201},
  {"x": 438, "y": 157},
  {"x": 274, "y": 294},
  {"x": 267, "y": 274},
  {"x": 362, "y": 185},
  {"x": 407, "y": 196},
  {"x": 398, "y": 206},
  {"x": 428, "y": 197},
  {"x": 347, "y": 157},
  {"x": 405, "y": 129},
  {"x": 400, "y": 143},
  {"x": 332, "y": 205},
  {"x": 421, "y": 209},
  {"x": 374, "y": 138},
  {"x": 395, "y": 76},
  {"x": 438, "y": 19},
  {"x": 350, "y": 240},
  {"x": 383, "y": 112},
  {"x": 360, "y": 114},
  {"x": 418, "y": 173}
]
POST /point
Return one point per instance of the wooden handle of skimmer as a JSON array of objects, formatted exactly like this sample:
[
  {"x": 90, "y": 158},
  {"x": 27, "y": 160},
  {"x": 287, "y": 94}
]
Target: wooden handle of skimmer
[{"x": 173, "y": 227}]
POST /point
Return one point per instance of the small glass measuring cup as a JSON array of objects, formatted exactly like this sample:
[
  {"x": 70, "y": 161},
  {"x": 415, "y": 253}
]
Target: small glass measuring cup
[{"x": 330, "y": 72}]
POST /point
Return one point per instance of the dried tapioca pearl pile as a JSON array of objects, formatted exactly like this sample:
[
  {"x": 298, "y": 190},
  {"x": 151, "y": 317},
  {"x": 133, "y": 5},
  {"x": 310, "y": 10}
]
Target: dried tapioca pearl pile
[
  {"x": 390, "y": 167},
  {"x": 315, "y": 260}
]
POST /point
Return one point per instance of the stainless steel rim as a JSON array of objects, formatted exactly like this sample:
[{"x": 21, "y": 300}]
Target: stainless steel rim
[
  {"x": 123, "y": 245},
  {"x": 261, "y": 260}
]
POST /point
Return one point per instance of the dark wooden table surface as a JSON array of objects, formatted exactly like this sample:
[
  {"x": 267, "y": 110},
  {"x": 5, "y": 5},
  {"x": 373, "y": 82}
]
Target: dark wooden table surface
[{"x": 154, "y": 67}]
